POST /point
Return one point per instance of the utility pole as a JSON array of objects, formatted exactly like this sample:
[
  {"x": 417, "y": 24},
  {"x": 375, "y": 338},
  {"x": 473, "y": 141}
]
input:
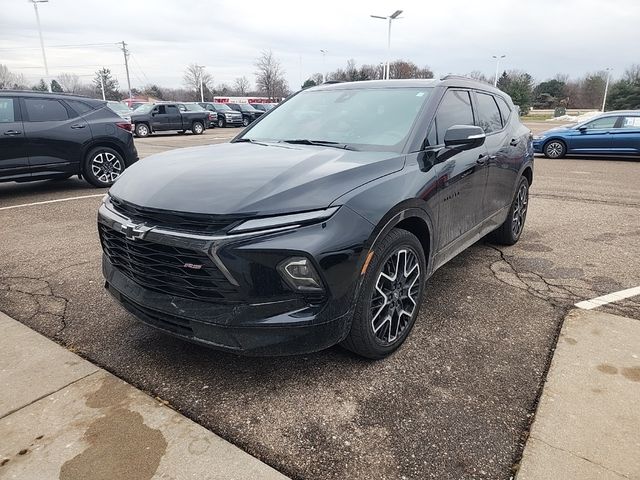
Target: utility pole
[
  {"x": 324, "y": 62},
  {"x": 394, "y": 16},
  {"x": 102, "y": 85},
  {"x": 125, "y": 52},
  {"x": 498, "y": 58},
  {"x": 606, "y": 88},
  {"x": 201, "y": 67},
  {"x": 44, "y": 57}
]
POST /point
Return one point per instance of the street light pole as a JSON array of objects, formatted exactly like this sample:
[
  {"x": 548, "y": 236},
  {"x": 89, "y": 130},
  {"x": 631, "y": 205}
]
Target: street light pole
[
  {"x": 394, "y": 16},
  {"x": 606, "y": 88},
  {"x": 201, "y": 67},
  {"x": 324, "y": 68},
  {"x": 44, "y": 56},
  {"x": 498, "y": 58}
]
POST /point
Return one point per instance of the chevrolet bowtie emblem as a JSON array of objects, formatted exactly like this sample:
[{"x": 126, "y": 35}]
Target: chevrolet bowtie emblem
[{"x": 134, "y": 232}]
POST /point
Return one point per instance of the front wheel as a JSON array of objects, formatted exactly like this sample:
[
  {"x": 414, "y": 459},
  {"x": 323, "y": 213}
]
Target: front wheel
[
  {"x": 509, "y": 232},
  {"x": 221, "y": 122},
  {"x": 102, "y": 167},
  {"x": 390, "y": 296},
  {"x": 142, "y": 130},
  {"x": 555, "y": 149},
  {"x": 197, "y": 128},
  {"x": 245, "y": 122}
]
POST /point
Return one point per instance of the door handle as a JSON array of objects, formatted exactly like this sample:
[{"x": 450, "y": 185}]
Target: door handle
[
  {"x": 12, "y": 132},
  {"x": 514, "y": 142},
  {"x": 78, "y": 125},
  {"x": 482, "y": 159}
]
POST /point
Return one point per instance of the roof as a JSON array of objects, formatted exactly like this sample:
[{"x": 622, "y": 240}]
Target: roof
[
  {"x": 37, "y": 93},
  {"x": 447, "y": 81}
]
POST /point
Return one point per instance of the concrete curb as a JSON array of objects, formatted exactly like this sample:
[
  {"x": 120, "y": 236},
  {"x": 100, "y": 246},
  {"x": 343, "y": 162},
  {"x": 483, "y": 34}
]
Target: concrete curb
[
  {"x": 588, "y": 421},
  {"x": 63, "y": 417}
]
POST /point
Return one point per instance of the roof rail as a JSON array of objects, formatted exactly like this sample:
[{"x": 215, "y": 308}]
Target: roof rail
[
  {"x": 330, "y": 82},
  {"x": 451, "y": 76},
  {"x": 40, "y": 92}
]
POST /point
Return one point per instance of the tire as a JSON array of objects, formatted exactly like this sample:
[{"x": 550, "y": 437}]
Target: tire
[
  {"x": 388, "y": 302},
  {"x": 197, "y": 128},
  {"x": 102, "y": 167},
  {"x": 221, "y": 123},
  {"x": 555, "y": 149},
  {"x": 510, "y": 231},
  {"x": 142, "y": 130},
  {"x": 245, "y": 122}
]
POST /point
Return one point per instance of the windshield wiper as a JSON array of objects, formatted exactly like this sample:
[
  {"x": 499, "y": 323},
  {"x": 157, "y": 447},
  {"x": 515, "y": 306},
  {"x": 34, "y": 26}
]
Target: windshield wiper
[
  {"x": 322, "y": 143},
  {"x": 250, "y": 140}
]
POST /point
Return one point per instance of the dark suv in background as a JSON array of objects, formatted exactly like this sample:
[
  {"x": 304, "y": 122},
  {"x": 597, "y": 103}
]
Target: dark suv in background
[
  {"x": 321, "y": 223},
  {"x": 225, "y": 116},
  {"x": 249, "y": 113},
  {"x": 44, "y": 135}
]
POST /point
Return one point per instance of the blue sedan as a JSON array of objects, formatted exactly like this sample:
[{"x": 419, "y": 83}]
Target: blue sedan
[{"x": 613, "y": 133}]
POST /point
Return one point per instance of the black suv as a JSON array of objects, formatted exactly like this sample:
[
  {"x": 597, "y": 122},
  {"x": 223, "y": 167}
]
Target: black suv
[
  {"x": 249, "y": 113},
  {"x": 302, "y": 234},
  {"x": 45, "y": 135},
  {"x": 225, "y": 116}
]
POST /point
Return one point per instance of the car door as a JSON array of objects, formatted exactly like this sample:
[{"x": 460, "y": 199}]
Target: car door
[
  {"x": 593, "y": 136},
  {"x": 626, "y": 138},
  {"x": 14, "y": 161},
  {"x": 55, "y": 135},
  {"x": 159, "y": 118},
  {"x": 174, "y": 118},
  {"x": 462, "y": 176},
  {"x": 502, "y": 153}
]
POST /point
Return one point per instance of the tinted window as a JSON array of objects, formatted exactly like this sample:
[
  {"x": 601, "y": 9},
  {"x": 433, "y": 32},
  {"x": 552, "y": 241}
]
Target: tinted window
[
  {"x": 81, "y": 108},
  {"x": 172, "y": 110},
  {"x": 488, "y": 113},
  {"x": 6, "y": 110},
  {"x": 629, "y": 122},
  {"x": 606, "y": 122},
  {"x": 162, "y": 110},
  {"x": 45, "y": 110},
  {"x": 455, "y": 109},
  {"x": 505, "y": 111}
]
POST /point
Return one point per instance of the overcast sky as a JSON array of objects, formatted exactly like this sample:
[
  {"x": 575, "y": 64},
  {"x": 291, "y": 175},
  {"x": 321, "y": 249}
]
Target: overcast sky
[{"x": 543, "y": 37}]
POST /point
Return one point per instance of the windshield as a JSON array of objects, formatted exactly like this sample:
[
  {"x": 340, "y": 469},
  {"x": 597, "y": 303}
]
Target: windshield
[
  {"x": 118, "y": 107},
  {"x": 365, "y": 118},
  {"x": 193, "y": 107},
  {"x": 245, "y": 107},
  {"x": 222, "y": 107},
  {"x": 144, "y": 108}
]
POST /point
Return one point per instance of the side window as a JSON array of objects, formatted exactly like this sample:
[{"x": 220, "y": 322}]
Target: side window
[
  {"x": 488, "y": 113},
  {"x": 172, "y": 110},
  {"x": 45, "y": 110},
  {"x": 80, "y": 107},
  {"x": 162, "y": 110},
  {"x": 182, "y": 108},
  {"x": 455, "y": 109},
  {"x": 628, "y": 122},
  {"x": 600, "y": 123},
  {"x": 7, "y": 114},
  {"x": 505, "y": 111}
]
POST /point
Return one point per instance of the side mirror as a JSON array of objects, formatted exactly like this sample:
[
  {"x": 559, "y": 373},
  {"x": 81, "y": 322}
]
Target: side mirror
[
  {"x": 464, "y": 137},
  {"x": 582, "y": 128}
]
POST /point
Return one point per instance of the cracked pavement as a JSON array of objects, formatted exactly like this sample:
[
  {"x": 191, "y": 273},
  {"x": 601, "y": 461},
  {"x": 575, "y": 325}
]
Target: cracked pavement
[{"x": 455, "y": 402}]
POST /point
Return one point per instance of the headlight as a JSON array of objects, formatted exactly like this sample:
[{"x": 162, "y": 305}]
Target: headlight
[
  {"x": 538, "y": 137},
  {"x": 292, "y": 220},
  {"x": 300, "y": 275}
]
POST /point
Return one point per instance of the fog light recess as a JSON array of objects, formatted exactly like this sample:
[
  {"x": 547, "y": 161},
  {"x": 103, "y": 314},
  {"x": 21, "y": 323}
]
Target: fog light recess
[{"x": 300, "y": 274}]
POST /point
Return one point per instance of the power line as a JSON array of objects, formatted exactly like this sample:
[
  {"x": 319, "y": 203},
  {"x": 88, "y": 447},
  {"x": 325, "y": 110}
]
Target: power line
[{"x": 80, "y": 45}]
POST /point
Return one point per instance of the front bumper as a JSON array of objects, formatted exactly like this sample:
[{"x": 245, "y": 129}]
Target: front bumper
[
  {"x": 538, "y": 145},
  {"x": 262, "y": 316}
]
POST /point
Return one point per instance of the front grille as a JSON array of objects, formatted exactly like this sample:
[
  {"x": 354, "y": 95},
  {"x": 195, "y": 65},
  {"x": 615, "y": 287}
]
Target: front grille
[
  {"x": 162, "y": 268},
  {"x": 179, "y": 221}
]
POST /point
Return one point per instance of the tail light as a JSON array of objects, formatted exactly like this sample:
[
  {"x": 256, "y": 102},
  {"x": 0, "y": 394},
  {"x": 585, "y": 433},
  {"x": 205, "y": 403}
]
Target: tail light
[
  {"x": 210, "y": 116},
  {"x": 125, "y": 126}
]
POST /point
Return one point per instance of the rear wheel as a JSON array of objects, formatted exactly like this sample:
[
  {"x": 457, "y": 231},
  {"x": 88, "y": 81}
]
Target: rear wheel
[
  {"x": 555, "y": 149},
  {"x": 197, "y": 128},
  {"x": 390, "y": 296},
  {"x": 509, "y": 232},
  {"x": 103, "y": 166},
  {"x": 142, "y": 130}
]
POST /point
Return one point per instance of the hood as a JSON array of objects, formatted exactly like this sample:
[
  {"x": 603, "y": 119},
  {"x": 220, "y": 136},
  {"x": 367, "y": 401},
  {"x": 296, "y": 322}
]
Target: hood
[
  {"x": 551, "y": 131},
  {"x": 246, "y": 178}
]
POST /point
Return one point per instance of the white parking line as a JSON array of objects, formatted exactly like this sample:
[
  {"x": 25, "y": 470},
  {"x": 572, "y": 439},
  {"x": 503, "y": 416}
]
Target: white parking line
[
  {"x": 611, "y": 297},
  {"x": 51, "y": 201}
]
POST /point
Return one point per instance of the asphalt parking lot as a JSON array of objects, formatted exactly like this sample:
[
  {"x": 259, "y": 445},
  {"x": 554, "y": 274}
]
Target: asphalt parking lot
[{"x": 455, "y": 402}]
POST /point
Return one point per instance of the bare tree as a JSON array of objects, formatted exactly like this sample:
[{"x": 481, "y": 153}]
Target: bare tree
[
  {"x": 70, "y": 82},
  {"x": 241, "y": 86},
  {"x": 6, "y": 77},
  {"x": 191, "y": 79},
  {"x": 478, "y": 75},
  {"x": 270, "y": 76}
]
